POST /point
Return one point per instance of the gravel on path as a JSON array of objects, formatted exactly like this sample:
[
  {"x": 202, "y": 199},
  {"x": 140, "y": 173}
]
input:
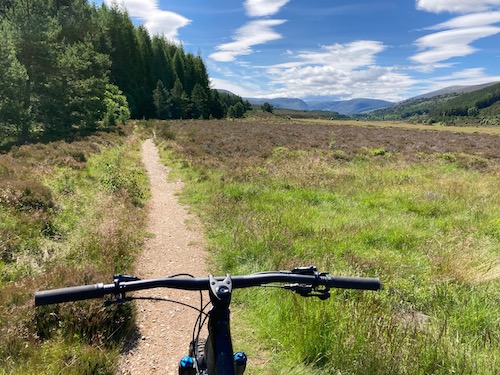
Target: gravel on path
[{"x": 176, "y": 246}]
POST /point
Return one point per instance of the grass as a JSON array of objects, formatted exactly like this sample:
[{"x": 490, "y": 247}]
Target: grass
[
  {"x": 427, "y": 226},
  {"x": 494, "y": 130},
  {"x": 70, "y": 214},
  {"x": 418, "y": 209}
]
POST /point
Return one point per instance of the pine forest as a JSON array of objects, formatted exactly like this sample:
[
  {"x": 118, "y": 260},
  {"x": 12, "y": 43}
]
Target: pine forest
[{"x": 68, "y": 64}]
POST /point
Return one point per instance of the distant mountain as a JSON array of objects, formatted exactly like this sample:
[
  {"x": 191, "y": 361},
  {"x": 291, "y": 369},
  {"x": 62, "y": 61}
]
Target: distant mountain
[
  {"x": 223, "y": 91},
  {"x": 285, "y": 103},
  {"x": 349, "y": 107},
  {"x": 415, "y": 106},
  {"x": 479, "y": 103},
  {"x": 345, "y": 107}
]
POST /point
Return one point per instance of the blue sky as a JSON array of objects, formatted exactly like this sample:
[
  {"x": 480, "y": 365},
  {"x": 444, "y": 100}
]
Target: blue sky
[{"x": 333, "y": 49}]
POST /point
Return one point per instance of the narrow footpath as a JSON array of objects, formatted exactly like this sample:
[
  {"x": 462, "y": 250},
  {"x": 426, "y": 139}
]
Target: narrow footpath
[{"x": 176, "y": 246}]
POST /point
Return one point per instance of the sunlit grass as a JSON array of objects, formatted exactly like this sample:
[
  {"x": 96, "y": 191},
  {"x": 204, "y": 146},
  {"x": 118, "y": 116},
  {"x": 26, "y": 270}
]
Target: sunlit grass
[
  {"x": 70, "y": 214},
  {"x": 428, "y": 229},
  {"x": 495, "y": 130}
]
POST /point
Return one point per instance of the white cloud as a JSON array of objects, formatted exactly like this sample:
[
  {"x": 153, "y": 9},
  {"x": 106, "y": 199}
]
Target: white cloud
[
  {"x": 444, "y": 45},
  {"x": 466, "y": 77},
  {"x": 261, "y": 8},
  {"x": 157, "y": 21},
  {"x": 235, "y": 88},
  {"x": 355, "y": 54},
  {"x": 456, "y": 6},
  {"x": 469, "y": 20},
  {"x": 429, "y": 68},
  {"x": 136, "y": 8},
  {"x": 466, "y": 74},
  {"x": 459, "y": 33},
  {"x": 251, "y": 34},
  {"x": 341, "y": 70},
  {"x": 166, "y": 23}
]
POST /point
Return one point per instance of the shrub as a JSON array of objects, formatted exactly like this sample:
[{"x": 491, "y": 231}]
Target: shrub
[
  {"x": 117, "y": 109},
  {"x": 236, "y": 111},
  {"x": 26, "y": 195},
  {"x": 115, "y": 173},
  {"x": 266, "y": 107}
]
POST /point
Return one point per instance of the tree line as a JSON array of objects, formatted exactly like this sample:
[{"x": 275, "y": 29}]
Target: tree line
[
  {"x": 479, "y": 106},
  {"x": 469, "y": 104},
  {"x": 68, "y": 63}
]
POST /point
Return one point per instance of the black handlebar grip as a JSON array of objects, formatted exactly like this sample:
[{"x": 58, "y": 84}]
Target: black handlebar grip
[
  {"x": 76, "y": 293},
  {"x": 366, "y": 283}
]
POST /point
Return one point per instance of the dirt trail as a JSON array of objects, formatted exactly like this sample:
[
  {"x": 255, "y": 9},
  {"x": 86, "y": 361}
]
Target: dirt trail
[{"x": 176, "y": 246}]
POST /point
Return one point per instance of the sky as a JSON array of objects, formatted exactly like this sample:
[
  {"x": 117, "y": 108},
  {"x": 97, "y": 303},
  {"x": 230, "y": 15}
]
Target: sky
[{"x": 332, "y": 49}]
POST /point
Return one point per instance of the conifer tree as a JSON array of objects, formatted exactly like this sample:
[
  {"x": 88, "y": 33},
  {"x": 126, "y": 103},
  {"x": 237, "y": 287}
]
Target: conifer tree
[
  {"x": 162, "y": 66},
  {"x": 34, "y": 34},
  {"x": 178, "y": 67},
  {"x": 180, "y": 101},
  {"x": 190, "y": 78},
  {"x": 14, "y": 117},
  {"x": 67, "y": 62},
  {"x": 147, "y": 85},
  {"x": 5, "y": 6},
  {"x": 80, "y": 88},
  {"x": 162, "y": 101},
  {"x": 201, "y": 73},
  {"x": 200, "y": 101},
  {"x": 218, "y": 108},
  {"x": 127, "y": 70}
]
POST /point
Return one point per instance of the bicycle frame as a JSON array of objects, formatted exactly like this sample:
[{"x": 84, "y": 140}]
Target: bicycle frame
[{"x": 219, "y": 347}]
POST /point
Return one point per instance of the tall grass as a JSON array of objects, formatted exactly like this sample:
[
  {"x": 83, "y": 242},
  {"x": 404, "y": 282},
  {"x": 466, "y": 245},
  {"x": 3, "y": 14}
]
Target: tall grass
[
  {"x": 428, "y": 229},
  {"x": 70, "y": 214}
]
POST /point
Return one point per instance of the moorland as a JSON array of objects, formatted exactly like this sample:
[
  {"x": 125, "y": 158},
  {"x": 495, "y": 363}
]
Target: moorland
[{"x": 417, "y": 207}]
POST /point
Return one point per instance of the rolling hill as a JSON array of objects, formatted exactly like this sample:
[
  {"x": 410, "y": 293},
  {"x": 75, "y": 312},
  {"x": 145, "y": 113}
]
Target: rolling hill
[
  {"x": 453, "y": 90},
  {"x": 478, "y": 104},
  {"x": 284, "y": 103},
  {"x": 348, "y": 107},
  {"x": 344, "y": 107}
]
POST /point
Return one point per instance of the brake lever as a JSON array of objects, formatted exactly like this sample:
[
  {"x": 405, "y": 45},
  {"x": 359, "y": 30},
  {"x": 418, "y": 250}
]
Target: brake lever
[
  {"x": 123, "y": 278},
  {"x": 311, "y": 270},
  {"x": 308, "y": 291}
]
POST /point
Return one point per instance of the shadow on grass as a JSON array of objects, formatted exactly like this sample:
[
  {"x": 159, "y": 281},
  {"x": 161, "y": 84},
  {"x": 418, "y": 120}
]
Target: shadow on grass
[{"x": 68, "y": 136}]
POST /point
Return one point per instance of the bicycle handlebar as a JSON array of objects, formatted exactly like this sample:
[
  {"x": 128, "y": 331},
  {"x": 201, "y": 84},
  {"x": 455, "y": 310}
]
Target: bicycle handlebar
[
  {"x": 75, "y": 293},
  {"x": 83, "y": 292}
]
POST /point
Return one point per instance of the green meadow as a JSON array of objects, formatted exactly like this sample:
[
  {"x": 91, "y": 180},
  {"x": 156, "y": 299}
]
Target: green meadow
[
  {"x": 416, "y": 208},
  {"x": 428, "y": 227}
]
